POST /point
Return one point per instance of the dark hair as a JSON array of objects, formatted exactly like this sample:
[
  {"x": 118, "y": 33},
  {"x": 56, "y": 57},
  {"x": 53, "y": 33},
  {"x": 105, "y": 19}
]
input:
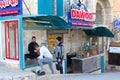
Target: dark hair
[
  {"x": 33, "y": 37},
  {"x": 59, "y": 38},
  {"x": 36, "y": 45}
]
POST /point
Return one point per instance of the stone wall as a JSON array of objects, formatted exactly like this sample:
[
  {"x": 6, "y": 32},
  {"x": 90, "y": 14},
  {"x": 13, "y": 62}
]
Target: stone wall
[
  {"x": 115, "y": 8},
  {"x": 27, "y": 37},
  {"x": 72, "y": 40}
]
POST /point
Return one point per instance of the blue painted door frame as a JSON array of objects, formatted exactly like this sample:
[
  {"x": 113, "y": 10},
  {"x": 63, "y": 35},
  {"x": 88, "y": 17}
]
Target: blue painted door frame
[{"x": 22, "y": 64}]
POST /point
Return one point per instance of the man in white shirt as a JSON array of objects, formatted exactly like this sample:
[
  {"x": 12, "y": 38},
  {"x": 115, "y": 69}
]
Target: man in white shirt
[{"x": 45, "y": 56}]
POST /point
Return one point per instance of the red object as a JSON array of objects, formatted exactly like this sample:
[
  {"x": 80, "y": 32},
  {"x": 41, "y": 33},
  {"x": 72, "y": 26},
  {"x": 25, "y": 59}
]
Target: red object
[
  {"x": 85, "y": 52},
  {"x": 11, "y": 39},
  {"x": 8, "y": 12}
]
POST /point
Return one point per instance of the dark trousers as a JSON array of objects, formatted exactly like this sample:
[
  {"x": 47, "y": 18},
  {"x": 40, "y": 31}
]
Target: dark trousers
[
  {"x": 31, "y": 56},
  {"x": 60, "y": 62}
]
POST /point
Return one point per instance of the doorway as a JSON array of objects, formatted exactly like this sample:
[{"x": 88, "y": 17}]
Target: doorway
[{"x": 11, "y": 39}]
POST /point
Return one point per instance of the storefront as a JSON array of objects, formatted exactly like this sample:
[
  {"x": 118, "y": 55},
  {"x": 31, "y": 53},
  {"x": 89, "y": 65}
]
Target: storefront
[
  {"x": 114, "y": 48},
  {"x": 46, "y": 29},
  {"x": 16, "y": 32},
  {"x": 90, "y": 57},
  {"x": 10, "y": 28}
]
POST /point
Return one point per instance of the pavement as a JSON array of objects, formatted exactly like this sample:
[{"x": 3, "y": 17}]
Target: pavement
[
  {"x": 103, "y": 76},
  {"x": 10, "y": 73}
]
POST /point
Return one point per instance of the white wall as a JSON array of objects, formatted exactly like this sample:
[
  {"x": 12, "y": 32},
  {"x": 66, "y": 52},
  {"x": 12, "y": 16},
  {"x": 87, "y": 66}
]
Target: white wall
[
  {"x": 32, "y": 6},
  {"x": 2, "y": 41}
]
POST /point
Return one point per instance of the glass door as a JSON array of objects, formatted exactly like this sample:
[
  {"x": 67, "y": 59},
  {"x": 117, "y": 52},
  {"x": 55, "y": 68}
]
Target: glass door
[{"x": 11, "y": 39}]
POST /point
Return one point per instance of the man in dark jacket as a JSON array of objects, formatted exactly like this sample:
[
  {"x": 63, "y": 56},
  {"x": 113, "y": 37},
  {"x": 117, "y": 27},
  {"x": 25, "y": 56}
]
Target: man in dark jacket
[
  {"x": 31, "y": 48},
  {"x": 59, "y": 52}
]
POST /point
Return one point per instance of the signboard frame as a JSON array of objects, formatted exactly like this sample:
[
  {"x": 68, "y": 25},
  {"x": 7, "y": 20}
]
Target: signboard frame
[
  {"x": 10, "y": 7},
  {"x": 79, "y": 15}
]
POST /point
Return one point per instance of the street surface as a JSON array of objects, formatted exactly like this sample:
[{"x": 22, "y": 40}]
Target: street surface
[
  {"x": 8, "y": 73},
  {"x": 104, "y": 76}
]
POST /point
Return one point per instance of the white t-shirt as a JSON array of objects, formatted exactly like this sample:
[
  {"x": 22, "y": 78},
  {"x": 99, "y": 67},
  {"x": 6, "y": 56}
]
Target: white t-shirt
[{"x": 45, "y": 52}]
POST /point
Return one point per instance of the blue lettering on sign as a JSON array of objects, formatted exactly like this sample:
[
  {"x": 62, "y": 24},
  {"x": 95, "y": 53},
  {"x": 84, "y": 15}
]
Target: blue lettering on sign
[{"x": 117, "y": 23}]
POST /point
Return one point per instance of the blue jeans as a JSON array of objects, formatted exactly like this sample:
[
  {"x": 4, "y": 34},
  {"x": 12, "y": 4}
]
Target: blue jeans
[{"x": 49, "y": 61}]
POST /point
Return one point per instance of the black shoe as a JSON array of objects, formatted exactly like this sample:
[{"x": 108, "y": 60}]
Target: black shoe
[
  {"x": 42, "y": 73},
  {"x": 36, "y": 72},
  {"x": 33, "y": 71}
]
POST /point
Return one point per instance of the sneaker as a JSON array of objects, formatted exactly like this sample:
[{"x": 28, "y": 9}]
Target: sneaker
[
  {"x": 41, "y": 73},
  {"x": 36, "y": 71},
  {"x": 33, "y": 71}
]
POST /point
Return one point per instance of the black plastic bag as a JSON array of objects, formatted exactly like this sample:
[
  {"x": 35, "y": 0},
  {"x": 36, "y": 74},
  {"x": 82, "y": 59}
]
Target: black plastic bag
[{"x": 58, "y": 65}]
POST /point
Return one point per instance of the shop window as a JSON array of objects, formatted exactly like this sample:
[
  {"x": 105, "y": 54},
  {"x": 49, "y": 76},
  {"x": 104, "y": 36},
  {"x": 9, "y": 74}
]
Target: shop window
[
  {"x": 11, "y": 39},
  {"x": 93, "y": 46},
  {"x": 99, "y": 44}
]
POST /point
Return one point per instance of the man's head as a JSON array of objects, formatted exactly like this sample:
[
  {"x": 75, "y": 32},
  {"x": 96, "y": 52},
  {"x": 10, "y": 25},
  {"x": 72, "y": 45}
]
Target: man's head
[
  {"x": 33, "y": 39},
  {"x": 37, "y": 47},
  {"x": 58, "y": 39}
]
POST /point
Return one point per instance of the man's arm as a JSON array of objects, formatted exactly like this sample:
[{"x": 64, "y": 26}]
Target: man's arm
[
  {"x": 41, "y": 54},
  {"x": 29, "y": 48},
  {"x": 56, "y": 51}
]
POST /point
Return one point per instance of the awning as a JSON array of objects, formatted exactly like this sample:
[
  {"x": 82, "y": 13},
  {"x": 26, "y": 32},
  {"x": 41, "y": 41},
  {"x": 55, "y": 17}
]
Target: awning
[
  {"x": 45, "y": 22},
  {"x": 99, "y": 31}
]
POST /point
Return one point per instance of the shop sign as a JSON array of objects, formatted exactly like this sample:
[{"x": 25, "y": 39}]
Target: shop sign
[
  {"x": 114, "y": 50},
  {"x": 117, "y": 23},
  {"x": 10, "y": 7},
  {"x": 79, "y": 15}
]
